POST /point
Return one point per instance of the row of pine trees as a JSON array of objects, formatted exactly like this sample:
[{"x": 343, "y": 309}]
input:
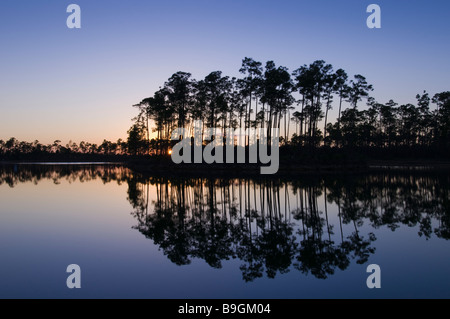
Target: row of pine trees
[{"x": 297, "y": 103}]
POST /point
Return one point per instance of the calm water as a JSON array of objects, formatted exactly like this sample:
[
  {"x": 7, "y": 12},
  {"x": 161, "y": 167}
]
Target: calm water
[{"x": 155, "y": 237}]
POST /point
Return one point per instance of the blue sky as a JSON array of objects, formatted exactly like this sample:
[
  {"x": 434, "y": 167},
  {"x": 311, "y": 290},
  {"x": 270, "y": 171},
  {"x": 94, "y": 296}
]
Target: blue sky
[{"x": 67, "y": 84}]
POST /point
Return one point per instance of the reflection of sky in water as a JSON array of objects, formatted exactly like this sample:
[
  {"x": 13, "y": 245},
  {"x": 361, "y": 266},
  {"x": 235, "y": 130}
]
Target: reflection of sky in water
[{"x": 45, "y": 227}]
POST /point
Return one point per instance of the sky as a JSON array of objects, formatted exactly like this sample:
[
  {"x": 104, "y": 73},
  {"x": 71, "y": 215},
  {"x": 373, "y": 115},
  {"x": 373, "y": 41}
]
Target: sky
[{"x": 80, "y": 84}]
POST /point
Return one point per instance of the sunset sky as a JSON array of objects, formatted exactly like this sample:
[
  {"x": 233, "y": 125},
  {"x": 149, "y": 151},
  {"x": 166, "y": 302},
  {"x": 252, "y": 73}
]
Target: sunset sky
[{"x": 80, "y": 84}]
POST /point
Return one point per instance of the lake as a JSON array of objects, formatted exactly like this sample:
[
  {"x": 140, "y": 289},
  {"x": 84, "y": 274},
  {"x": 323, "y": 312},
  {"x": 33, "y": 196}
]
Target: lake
[{"x": 136, "y": 236}]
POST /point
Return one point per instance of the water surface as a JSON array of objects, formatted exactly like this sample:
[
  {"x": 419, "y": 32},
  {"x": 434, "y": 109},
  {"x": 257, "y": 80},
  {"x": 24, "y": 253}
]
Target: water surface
[{"x": 154, "y": 237}]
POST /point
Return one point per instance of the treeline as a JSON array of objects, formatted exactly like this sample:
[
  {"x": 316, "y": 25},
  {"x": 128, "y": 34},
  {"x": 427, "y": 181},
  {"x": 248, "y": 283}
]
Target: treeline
[
  {"x": 14, "y": 149},
  {"x": 390, "y": 125},
  {"x": 297, "y": 103}
]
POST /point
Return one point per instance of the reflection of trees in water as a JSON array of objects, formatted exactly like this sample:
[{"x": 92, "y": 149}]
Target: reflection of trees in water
[
  {"x": 251, "y": 220},
  {"x": 394, "y": 199},
  {"x": 318, "y": 253},
  {"x": 217, "y": 220},
  {"x": 273, "y": 226},
  {"x": 16, "y": 174}
]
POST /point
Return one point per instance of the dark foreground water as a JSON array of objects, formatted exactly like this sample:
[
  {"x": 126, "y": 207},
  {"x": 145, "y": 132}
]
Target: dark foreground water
[{"x": 156, "y": 237}]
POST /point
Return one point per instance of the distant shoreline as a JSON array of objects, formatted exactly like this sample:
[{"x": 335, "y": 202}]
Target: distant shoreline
[
  {"x": 291, "y": 169},
  {"x": 165, "y": 167},
  {"x": 59, "y": 163}
]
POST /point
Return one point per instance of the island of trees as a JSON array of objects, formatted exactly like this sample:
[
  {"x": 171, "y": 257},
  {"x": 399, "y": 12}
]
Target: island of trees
[{"x": 268, "y": 96}]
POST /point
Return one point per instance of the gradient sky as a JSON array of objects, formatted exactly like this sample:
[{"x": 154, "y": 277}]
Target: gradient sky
[{"x": 80, "y": 84}]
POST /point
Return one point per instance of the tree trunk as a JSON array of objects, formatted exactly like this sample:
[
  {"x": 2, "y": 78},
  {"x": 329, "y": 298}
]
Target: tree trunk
[
  {"x": 326, "y": 117},
  {"x": 289, "y": 124}
]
